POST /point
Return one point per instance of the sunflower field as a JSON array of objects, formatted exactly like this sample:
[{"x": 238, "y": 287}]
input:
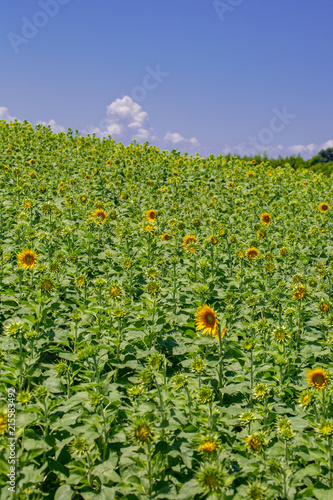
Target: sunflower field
[{"x": 166, "y": 323}]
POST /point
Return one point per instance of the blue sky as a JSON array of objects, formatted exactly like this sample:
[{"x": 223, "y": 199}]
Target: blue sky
[{"x": 207, "y": 76}]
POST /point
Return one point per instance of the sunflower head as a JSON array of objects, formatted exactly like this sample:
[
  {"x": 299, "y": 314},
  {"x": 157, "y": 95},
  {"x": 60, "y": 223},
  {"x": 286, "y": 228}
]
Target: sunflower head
[
  {"x": 78, "y": 447},
  {"x": 115, "y": 290},
  {"x": 198, "y": 365},
  {"x": 3, "y": 423},
  {"x": 265, "y": 218},
  {"x": 166, "y": 237},
  {"x": 208, "y": 445},
  {"x": 99, "y": 215},
  {"x": 252, "y": 253},
  {"x": 212, "y": 479},
  {"x": 142, "y": 432},
  {"x": 317, "y": 378},
  {"x": 206, "y": 320},
  {"x": 47, "y": 284},
  {"x": 256, "y": 491},
  {"x": 27, "y": 258},
  {"x": 260, "y": 390},
  {"x": 256, "y": 441},
  {"x": 325, "y": 429},
  {"x": 204, "y": 395},
  {"x": 188, "y": 239},
  {"x": 324, "y": 207},
  {"x": 151, "y": 215},
  {"x": 280, "y": 334},
  {"x": 299, "y": 293},
  {"x": 213, "y": 240},
  {"x": 305, "y": 399}
]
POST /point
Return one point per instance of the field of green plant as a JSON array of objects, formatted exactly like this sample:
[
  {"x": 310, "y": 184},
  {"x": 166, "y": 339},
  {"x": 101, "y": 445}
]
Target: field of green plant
[{"x": 166, "y": 323}]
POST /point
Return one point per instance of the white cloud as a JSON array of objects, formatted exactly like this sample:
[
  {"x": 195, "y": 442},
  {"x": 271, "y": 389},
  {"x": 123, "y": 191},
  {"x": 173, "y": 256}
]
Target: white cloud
[
  {"x": 327, "y": 144},
  {"x": 54, "y": 126},
  {"x": 305, "y": 150},
  {"x": 174, "y": 137},
  {"x": 126, "y": 120},
  {"x": 4, "y": 115},
  {"x": 301, "y": 149}
]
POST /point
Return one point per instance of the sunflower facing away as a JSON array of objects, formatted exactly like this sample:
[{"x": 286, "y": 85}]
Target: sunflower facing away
[
  {"x": 27, "y": 258},
  {"x": 206, "y": 320},
  {"x": 317, "y": 378}
]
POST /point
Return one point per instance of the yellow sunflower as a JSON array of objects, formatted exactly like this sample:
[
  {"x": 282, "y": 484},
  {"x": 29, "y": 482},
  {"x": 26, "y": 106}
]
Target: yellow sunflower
[
  {"x": 265, "y": 218},
  {"x": 151, "y": 215},
  {"x": 206, "y": 320},
  {"x": 99, "y": 215},
  {"x": 299, "y": 293},
  {"x": 324, "y": 207},
  {"x": 166, "y": 237},
  {"x": 27, "y": 258},
  {"x": 188, "y": 239},
  {"x": 317, "y": 378},
  {"x": 252, "y": 253},
  {"x": 213, "y": 240},
  {"x": 3, "y": 424}
]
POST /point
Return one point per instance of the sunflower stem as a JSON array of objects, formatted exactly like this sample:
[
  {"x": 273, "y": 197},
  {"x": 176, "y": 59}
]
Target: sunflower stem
[
  {"x": 330, "y": 465},
  {"x": 149, "y": 470},
  {"x": 221, "y": 356}
]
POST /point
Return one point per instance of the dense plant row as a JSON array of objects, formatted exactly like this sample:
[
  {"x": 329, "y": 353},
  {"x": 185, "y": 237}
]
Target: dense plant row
[{"x": 166, "y": 322}]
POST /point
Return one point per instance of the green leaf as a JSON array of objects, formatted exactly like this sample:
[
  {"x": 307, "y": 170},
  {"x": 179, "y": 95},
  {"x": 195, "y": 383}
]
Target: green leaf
[{"x": 64, "y": 492}]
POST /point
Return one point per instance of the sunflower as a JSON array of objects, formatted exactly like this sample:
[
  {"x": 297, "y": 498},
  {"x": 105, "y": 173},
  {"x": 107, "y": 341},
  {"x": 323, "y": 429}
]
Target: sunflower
[
  {"x": 192, "y": 248},
  {"x": 99, "y": 215},
  {"x": 3, "y": 423},
  {"x": 299, "y": 293},
  {"x": 151, "y": 215},
  {"x": 115, "y": 291},
  {"x": 252, "y": 253},
  {"x": 78, "y": 447},
  {"x": 166, "y": 237},
  {"x": 325, "y": 429},
  {"x": 142, "y": 433},
  {"x": 206, "y": 320},
  {"x": 208, "y": 445},
  {"x": 27, "y": 258},
  {"x": 324, "y": 306},
  {"x": 80, "y": 280},
  {"x": 213, "y": 240},
  {"x": 47, "y": 284},
  {"x": 188, "y": 239},
  {"x": 280, "y": 334},
  {"x": 108, "y": 163},
  {"x": 265, "y": 218},
  {"x": 305, "y": 399},
  {"x": 317, "y": 378},
  {"x": 324, "y": 207},
  {"x": 256, "y": 441}
]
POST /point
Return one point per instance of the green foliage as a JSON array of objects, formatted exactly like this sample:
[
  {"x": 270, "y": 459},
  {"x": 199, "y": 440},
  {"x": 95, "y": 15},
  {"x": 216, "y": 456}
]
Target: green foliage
[{"x": 118, "y": 395}]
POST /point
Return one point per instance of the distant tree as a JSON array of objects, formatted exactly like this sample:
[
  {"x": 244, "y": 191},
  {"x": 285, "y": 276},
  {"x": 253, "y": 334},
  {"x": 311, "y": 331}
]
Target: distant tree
[{"x": 326, "y": 155}]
